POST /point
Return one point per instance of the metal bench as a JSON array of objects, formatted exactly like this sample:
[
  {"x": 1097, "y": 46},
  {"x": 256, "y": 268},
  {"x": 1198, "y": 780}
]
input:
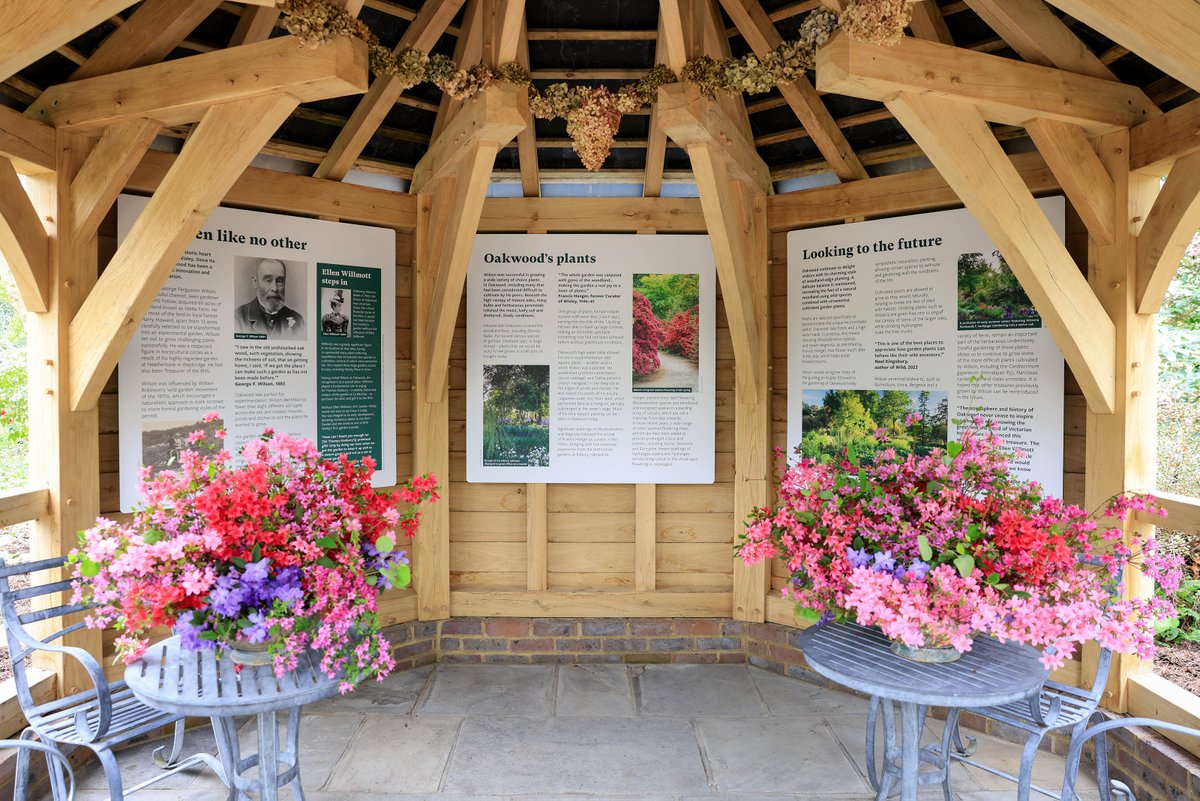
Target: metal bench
[
  {"x": 1075, "y": 754},
  {"x": 99, "y": 718}
]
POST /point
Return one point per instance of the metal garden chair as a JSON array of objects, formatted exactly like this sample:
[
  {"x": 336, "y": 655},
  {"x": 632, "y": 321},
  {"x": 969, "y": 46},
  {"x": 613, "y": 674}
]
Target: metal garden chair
[
  {"x": 62, "y": 765},
  {"x": 1057, "y": 706},
  {"x": 100, "y": 718},
  {"x": 1075, "y": 754}
]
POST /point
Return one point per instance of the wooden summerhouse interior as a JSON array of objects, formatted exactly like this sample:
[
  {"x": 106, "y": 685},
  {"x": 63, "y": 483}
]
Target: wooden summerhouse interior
[{"x": 988, "y": 104}]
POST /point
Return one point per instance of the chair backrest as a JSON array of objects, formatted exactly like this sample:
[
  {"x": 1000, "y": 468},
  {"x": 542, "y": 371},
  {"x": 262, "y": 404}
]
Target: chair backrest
[{"x": 21, "y": 640}]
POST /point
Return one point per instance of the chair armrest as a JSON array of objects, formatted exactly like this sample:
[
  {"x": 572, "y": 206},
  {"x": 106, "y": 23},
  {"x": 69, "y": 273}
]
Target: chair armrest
[
  {"x": 1035, "y": 708},
  {"x": 95, "y": 673}
]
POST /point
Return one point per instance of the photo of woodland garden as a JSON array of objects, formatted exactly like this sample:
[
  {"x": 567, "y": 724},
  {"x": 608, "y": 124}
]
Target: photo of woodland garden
[
  {"x": 516, "y": 415},
  {"x": 835, "y": 419},
  {"x": 990, "y": 296},
  {"x": 666, "y": 332}
]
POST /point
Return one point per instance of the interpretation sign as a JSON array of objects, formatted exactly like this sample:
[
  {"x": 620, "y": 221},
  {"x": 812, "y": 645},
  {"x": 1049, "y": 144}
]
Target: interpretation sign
[
  {"x": 267, "y": 320},
  {"x": 591, "y": 359},
  {"x": 921, "y": 316}
]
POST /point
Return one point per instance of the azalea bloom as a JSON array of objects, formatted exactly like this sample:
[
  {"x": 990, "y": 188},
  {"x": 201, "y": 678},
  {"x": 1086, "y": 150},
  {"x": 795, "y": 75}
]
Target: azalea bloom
[
  {"x": 290, "y": 548},
  {"x": 935, "y": 549}
]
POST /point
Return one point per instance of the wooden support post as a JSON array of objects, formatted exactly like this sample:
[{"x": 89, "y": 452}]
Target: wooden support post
[
  {"x": 1083, "y": 177},
  {"x": 147, "y": 36},
  {"x": 102, "y": 178},
  {"x": 958, "y": 141},
  {"x": 65, "y": 454},
  {"x": 1121, "y": 444},
  {"x": 645, "y": 537},
  {"x": 1032, "y": 29},
  {"x": 220, "y": 147},
  {"x": 452, "y": 182},
  {"x": 23, "y": 241},
  {"x": 1168, "y": 231},
  {"x": 737, "y": 227},
  {"x": 536, "y": 537}
]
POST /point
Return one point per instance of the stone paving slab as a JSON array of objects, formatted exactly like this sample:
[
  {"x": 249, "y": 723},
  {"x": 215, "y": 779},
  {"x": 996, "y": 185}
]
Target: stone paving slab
[
  {"x": 583, "y": 733},
  {"x": 603, "y": 756},
  {"x": 765, "y": 756},
  {"x": 593, "y": 691},
  {"x": 462, "y": 690},
  {"x": 692, "y": 691}
]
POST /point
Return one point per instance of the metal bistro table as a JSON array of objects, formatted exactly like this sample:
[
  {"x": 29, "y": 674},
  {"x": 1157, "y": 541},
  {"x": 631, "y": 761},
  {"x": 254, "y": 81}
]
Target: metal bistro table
[
  {"x": 196, "y": 683},
  {"x": 861, "y": 659}
]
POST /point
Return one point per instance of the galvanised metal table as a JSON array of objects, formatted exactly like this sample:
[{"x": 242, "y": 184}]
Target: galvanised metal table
[
  {"x": 196, "y": 683},
  {"x": 861, "y": 659}
]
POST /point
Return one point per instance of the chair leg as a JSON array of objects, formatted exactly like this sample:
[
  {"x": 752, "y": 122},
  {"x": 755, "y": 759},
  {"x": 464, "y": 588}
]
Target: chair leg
[
  {"x": 112, "y": 772},
  {"x": 21, "y": 779},
  {"x": 1025, "y": 777},
  {"x": 1101, "y": 746},
  {"x": 58, "y": 782},
  {"x": 176, "y": 748}
]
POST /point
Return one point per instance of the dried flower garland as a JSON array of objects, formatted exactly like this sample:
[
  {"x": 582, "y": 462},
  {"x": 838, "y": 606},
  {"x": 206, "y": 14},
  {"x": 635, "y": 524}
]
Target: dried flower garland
[{"x": 593, "y": 114}]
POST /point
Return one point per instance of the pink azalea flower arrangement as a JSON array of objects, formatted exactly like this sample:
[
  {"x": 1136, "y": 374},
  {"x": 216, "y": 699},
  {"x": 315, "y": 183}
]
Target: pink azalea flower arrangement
[
  {"x": 936, "y": 549},
  {"x": 288, "y": 548}
]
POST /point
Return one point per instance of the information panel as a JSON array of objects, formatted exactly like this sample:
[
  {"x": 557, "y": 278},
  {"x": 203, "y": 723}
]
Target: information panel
[
  {"x": 267, "y": 320},
  {"x": 590, "y": 359},
  {"x": 922, "y": 315}
]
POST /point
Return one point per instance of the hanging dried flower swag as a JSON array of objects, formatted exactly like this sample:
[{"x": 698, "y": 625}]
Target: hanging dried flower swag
[{"x": 593, "y": 113}]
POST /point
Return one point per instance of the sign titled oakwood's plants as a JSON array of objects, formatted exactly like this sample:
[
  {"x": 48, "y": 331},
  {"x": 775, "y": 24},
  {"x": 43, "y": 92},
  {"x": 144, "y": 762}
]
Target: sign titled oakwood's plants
[
  {"x": 271, "y": 321},
  {"x": 590, "y": 359}
]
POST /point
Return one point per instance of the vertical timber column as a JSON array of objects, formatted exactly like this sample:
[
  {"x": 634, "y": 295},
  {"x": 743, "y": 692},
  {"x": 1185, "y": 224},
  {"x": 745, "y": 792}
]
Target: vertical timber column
[
  {"x": 1121, "y": 446},
  {"x": 431, "y": 420},
  {"x": 537, "y": 534},
  {"x": 65, "y": 455},
  {"x": 645, "y": 518},
  {"x": 752, "y": 433}
]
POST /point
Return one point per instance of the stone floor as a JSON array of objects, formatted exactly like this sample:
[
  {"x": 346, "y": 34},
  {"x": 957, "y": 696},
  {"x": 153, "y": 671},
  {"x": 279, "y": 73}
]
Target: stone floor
[{"x": 579, "y": 732}]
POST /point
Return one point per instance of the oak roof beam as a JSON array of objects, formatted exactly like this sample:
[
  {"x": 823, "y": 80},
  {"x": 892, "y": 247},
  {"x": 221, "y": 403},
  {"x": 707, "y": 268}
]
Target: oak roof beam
[
  {"x": 495, "y": 116},
  {"x": 255, "y": 25},
  {"x": 146, "y": 37},
  {"x": 227, "y": 138},
  {"x": 179, "y": 92},
  {"x": 760, "y": 33},
  {"x": 689, "y": 118},
  {"x": 33, "y": 29},
  {"x": 527, "y": 146},
  {"x": 1004, "y": 90},
  {"x": 928, "y": 23},
  {"x": 24, "y": 243},
  {"x": 27, "y": 143},
  {"x": 1167, "y": 232},
  {"x": 1163, "y": 32},
  {"x": 1082, "y": 175},
  {"x": 103, "y": 175},
  {"x": 422, "y": 33},
  {"x": 956, "y": 138},
  {"x": 1039, "y": 37},
  {"x": 1155, "y": 145}
]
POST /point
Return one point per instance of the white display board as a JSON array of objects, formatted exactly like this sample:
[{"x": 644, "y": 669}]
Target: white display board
[
  {"x": 552, "y": 394},
  {"x": 924, "y": 309},
  {"x": 267, "y": 320}
]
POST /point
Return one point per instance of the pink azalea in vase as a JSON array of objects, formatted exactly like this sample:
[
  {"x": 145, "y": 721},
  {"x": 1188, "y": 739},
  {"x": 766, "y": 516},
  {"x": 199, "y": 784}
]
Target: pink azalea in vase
[
  {"x": 939, "y": 548},
  {"x": 288, "y": 548}
]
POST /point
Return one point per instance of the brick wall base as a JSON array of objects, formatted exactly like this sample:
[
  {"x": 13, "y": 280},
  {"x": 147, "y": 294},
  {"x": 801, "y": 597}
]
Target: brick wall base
[{"x": 1154, "y": 767}]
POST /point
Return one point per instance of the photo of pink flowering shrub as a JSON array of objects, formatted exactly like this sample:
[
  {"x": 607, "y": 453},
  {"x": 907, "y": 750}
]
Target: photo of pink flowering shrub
[
  {"x": 666, "y": 332},
  {"x": 289, "y": 549},
  {"x": 939, "y": 548}
]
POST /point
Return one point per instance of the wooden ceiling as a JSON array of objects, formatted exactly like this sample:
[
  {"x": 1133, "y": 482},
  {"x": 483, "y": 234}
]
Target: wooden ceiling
[{"x": 797, "y": 134}]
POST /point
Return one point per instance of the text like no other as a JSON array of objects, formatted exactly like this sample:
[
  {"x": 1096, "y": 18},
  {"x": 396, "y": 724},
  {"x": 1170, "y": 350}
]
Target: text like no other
[{"x": 223, "y": 235}]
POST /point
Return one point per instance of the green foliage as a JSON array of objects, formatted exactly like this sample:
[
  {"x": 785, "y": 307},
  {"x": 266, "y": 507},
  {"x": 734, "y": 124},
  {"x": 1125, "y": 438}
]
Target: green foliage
[
  {"x": 1186, "y": 623},
  {"x": 847, "y": 420},
  {"x": 516, "y": 411},
  {"x": 669, "y": 293},
  {"x": 14, "y": 375},
  {"x": 1179, "y": 332},
  {"x": 988, "y": 289}
]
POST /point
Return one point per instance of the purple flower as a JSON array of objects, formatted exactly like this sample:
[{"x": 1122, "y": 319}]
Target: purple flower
[
  {"x": 859, "y": 558},
  {"x": 918, "y": 570},
  {"x": 256, "y": 572},
  {"x": 258, "y": 630},
  {"x": 884, "y": 562},
  {"x": 189, "y": 635}
]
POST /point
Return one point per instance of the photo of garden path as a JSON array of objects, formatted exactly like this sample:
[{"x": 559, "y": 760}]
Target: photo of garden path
[
  {"x": 666, "y": 332},
  {"x": 990, "y": 296},
  {"x": 516, "y": 415},
  {"x": 867, "y": 420}
]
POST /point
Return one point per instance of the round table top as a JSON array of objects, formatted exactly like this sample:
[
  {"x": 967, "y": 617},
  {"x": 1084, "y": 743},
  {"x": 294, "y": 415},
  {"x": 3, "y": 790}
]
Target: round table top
[
  {"x": 172, "y": 679},
  {"x": 861, "y": 658}
]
